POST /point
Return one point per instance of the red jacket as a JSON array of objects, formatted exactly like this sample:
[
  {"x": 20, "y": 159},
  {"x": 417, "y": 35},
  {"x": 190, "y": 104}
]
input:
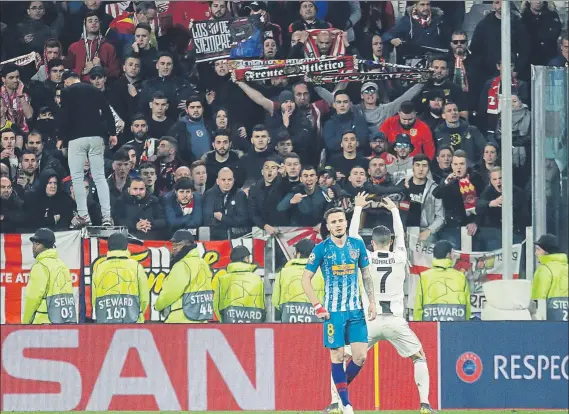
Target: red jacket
[
  {"x": 420, "y": 133},
  {"x": 77, "y": 55}
]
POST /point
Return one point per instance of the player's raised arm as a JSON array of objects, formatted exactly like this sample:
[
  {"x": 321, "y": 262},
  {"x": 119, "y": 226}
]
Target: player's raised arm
[
  {"x": 397, "y": 223},
  {"x": 360, "y": 201}
]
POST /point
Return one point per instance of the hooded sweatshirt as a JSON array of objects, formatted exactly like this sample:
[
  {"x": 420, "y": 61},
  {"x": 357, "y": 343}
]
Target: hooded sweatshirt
[{"x": 41, "y": 210}]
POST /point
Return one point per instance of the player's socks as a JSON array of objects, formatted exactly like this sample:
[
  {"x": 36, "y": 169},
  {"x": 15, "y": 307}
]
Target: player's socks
[
  {"x": 339, "y": 376},
  {"x": 422, "y": 379},
  {"x": 352, "y": 370}
]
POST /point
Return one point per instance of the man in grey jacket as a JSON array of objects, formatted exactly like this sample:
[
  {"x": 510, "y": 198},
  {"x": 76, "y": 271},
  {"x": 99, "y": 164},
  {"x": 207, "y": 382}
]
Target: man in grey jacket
[
  {"x": 419, "y": 207},
  {"x": 375, "y": 112}
]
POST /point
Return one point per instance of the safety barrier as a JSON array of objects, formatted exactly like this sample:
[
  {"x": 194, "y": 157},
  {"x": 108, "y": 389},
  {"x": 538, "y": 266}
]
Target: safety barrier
[
  {"x": 270, "y": 253},
  {"x": 515, "y": 365}
]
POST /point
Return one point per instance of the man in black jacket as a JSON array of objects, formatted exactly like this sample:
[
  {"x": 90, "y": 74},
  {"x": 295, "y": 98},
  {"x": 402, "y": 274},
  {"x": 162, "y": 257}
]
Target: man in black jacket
[
  {"x": 11, "y": 208},
  {"x": 222, "y": 156},
  {"x": 142, "y": 213},
  {"x": 85, "y": 122},
  {"x": 489, "y": 214},
  {"x": 265, "y": 195},
  {"x": 251, "y": 163},
  {"x": 459, "y": 192},
  {"x": 225, "y": 208}
]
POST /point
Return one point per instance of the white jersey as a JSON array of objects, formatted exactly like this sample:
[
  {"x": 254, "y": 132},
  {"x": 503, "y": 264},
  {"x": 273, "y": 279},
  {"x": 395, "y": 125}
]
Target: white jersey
[{"x": 387, "y": 269}]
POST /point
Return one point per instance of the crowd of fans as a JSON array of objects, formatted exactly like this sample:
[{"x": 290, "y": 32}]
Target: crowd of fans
[{"x": 186, "y": 147}]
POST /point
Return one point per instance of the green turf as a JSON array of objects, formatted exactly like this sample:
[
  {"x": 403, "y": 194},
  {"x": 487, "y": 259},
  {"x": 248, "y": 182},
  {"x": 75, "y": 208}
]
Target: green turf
[{"x": 305, "y": 412}]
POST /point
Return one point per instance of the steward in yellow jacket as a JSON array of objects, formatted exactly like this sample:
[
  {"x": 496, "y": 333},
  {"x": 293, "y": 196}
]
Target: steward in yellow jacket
[
  {"x": 288, "y": 294},
  {"x": 119, "y": 288},
  {"x": 442, "y": 292},
  {"x": 240, "y": 293},
  {"x": 550, "y": 281},
  {"x": 186, "y": 295},
  {"x": 49, "y": 293}
]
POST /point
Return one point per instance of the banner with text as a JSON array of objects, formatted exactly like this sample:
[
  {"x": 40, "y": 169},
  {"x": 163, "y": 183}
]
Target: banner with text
[
  {"x": 502, "y": 365},
  {"x": 478, "y": 267},
  {"x": 16, "y": 260},
  {"x": 155, "y": 258},
  {"x": 172, "y": 368},
  {"x": 235, "y": 38}
]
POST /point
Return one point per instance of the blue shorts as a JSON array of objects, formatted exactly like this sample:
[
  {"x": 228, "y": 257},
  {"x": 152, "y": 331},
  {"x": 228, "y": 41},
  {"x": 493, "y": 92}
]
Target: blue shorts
[{"x": 344, "y": 328}]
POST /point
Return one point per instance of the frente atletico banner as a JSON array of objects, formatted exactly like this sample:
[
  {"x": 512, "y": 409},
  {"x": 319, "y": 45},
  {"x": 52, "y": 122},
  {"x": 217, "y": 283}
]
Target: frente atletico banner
[
  {"x": 155, "y": 258},
  {"x": 214, "y": 367}
]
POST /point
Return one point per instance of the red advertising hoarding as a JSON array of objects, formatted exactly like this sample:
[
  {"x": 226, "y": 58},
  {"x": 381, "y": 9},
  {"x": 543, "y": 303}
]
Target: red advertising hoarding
[{"x": 198, "y": 367}]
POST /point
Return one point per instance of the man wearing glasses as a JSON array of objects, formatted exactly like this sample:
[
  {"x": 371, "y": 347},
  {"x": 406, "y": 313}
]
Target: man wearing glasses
[{"x": 33, "y": 31}]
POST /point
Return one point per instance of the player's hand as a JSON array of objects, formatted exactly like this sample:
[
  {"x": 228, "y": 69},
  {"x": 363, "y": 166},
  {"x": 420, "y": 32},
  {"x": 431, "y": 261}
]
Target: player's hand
[
  {"x": 321, "y": 312},
  {"x": 371, "y": 312},
  {"x": 360, "y": 200},
  {"x": 387, "y": 203}
]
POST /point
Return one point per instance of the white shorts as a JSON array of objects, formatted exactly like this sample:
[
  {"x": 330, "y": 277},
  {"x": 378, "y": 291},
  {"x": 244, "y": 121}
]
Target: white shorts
[{"x": 395, "y": 330}]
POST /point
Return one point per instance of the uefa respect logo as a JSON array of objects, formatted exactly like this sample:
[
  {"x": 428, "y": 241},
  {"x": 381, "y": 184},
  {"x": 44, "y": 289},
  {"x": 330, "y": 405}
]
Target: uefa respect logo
[{"x": 469, "y": 367}]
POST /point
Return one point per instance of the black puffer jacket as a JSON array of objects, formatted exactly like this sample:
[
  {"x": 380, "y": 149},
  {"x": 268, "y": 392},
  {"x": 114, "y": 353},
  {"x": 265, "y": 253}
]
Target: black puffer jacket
[
  {"x": 129, "y": 210},
  {"x": 12, "y": 210}
]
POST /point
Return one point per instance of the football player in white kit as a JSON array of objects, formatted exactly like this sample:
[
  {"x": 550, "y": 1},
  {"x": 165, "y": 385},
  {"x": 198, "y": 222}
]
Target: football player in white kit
[{"x": 388, "y": 270}]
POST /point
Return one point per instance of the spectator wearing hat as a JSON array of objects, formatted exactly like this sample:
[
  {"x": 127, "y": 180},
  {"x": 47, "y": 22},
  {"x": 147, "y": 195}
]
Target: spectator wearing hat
[
  {"x": 306, "y": 203},
  {"x": 346, "y": 118},
  {"x": 550, "y": 279},
  {"x": 375, "y": 112},
  {"x": 183, "y": 207},
  {"x": 266, "y": 194},
  {"x": 288, "y": 295},
  {"x": 403, "y": 165},
  {"x": 270, "y": 30},
  {"x": 459, "y": 134},
  {"x": 308, "y": 19},
  {"x": 48, "y": 206},
  {"x": 343, "y": 163},
  {"x": 433, "y": 115},
  {"x": 92, "y": 50},
  {"x": 85, "y": 123},
  {"x": 12, "y": 216},
  {"x": 406, "y": 122},
  {"x": 225, "y": 208},
  {"x": 379, "y": 147},
  {"x": 239, "y": 295},
  {"x": 440, "y": 80},
  {"x": 187, "y": 293},
  {"x": 459, "y": 192},
  {"x": 49, "y": 292}
]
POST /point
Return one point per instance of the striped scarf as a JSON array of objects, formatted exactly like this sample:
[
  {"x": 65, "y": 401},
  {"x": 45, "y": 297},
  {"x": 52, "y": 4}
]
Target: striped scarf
[
  {"x": 468, "y": 193},
  {"x": 460, "y": 77}
]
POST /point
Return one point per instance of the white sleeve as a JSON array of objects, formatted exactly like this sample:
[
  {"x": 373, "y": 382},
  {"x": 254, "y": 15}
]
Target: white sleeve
[
  {"x": 354, "y": 230},
  {"x": 399, "y": 231}
]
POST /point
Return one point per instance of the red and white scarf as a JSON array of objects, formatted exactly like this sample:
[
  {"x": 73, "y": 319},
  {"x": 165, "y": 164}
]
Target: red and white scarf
[
  {"x": 337, "y": 49},
  {"x": 460, "y": 77},
  {"x": 13, "y": 106},
  {"x": 468, "y": 192},
  {"x": 493, "y": 99},
  {"x": 420, "y": 20}
]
